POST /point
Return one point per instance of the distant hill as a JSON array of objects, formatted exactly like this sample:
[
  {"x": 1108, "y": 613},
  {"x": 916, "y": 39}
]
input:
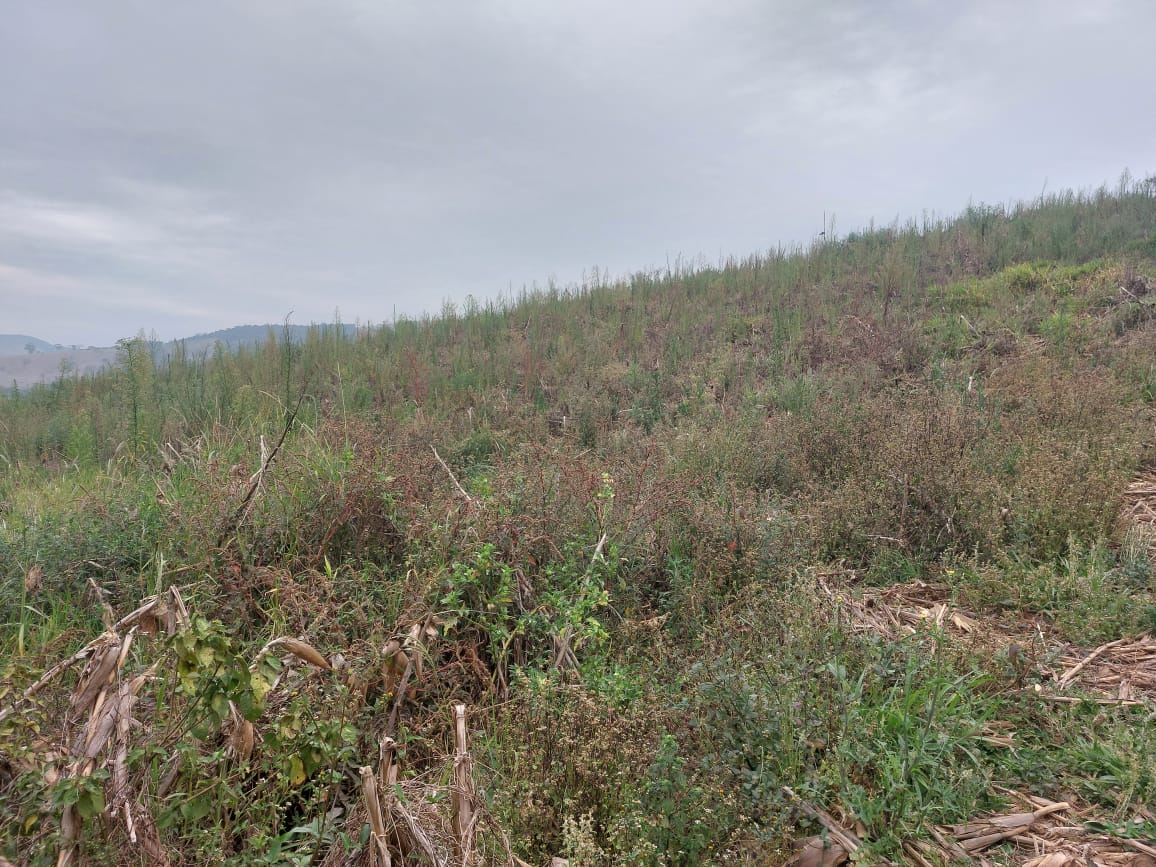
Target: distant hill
[
  {"x": 49, "y": 361},
  {"x": 17, "y": 344},
  {"x": 25, "y": 369},
  {"x": 245, "y": 335}
]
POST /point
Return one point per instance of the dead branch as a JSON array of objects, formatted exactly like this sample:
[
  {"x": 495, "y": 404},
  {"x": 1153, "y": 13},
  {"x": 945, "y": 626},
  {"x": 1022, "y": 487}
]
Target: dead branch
[
  {"x": 450, "y": 473},
  {"x": 255, "y": 481}
]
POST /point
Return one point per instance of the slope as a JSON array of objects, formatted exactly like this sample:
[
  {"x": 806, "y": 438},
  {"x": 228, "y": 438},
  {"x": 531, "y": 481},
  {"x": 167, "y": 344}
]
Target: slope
[{"x": 836, "y": 538}]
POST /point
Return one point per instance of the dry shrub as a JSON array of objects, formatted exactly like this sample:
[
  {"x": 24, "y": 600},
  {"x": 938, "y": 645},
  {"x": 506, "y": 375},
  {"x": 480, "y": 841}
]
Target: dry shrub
[
  {"x": 916, "y": 482},
  {"x": 1076, "y": 441},
  {"x": 1039, "y": 458},
  {"x": 868, "y": 345}
]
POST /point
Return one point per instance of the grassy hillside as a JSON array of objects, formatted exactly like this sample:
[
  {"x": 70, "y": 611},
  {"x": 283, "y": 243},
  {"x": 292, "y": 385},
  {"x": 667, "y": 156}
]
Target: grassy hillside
[{"x": 812, "y": 545}]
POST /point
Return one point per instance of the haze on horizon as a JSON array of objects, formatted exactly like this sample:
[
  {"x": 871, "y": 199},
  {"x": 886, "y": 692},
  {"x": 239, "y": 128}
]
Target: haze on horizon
[{"x": 180, "y": 168}]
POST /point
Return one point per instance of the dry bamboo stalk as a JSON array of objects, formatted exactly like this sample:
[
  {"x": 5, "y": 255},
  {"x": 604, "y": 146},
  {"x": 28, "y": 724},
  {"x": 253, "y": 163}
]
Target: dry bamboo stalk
[
  {"x": 300, "y": 649},
  {"x": 130, "y": 824},
  {"x": 69, "y": 836},
  {"x": 844, "y": 838},
  {"x": 51, "y": 674},
  {"x": 1108, "y": 702},
  {"x": 241, "y": 738},
  {"x": 379, "y": 853},
  {"x": 395, "y": 711},
  {"x": 915, "y": 855},
  {"x": 394, "y": 665},
  {"x": 1150, "y": 851},
  {"x": 950, "y": 845},
  {"x": 564, "y": 657},
  {"x": 97, "y": 672},
  {"x": 172, "y": 771},
  {"x": 150, "y": 841},
  {"x": 462, "y": 802},
  {"x": 133, "y": 616},
  {"x": 1070, "y": 675},
  {"x": 419, "y": 837},
  {"x": 102, "y": 715},
  {"x": 119, "y": 776},
  {"x": 512, "y": 860},
  {"x": 976, "y": 844},
  {"x": 106, "y": 615},
  {"x": 108, "y": 716},
  {"x": 1000, "y": 828},
  {"x": 598, "y": 556},
  {"x": 387, "y": 766}
]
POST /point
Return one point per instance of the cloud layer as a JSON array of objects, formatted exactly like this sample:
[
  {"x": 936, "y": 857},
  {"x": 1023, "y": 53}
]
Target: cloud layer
[{"x": 183, "y": 167}]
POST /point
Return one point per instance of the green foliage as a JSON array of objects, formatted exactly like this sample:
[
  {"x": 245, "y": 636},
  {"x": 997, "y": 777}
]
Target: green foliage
[
  {"x": 908, "y": 742},
  {"x": 210, "y": 671},
  {"x": 1089, "y": 594},
  {"x": 682, "y": 831}
]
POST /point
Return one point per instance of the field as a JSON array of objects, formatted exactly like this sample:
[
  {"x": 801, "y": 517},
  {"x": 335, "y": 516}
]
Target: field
[{"x": 846, "y": 547}]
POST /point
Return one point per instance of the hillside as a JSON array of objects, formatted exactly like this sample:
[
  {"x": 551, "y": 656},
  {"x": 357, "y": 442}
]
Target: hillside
[{"x": 848, "y": 545}]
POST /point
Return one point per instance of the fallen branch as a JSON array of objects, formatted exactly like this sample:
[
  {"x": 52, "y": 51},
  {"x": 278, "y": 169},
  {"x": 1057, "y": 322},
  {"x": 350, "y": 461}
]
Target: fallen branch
[
  {"x": 453, "y": 478},
  {"x": 242, "y": 511}
]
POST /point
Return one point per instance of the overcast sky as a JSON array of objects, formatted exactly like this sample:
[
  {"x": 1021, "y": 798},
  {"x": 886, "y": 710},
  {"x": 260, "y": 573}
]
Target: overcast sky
[{"x": 181, "y": 167}]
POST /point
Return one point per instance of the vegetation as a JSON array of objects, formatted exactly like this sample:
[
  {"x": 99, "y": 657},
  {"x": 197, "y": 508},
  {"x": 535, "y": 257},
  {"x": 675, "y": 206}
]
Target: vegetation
[{"x": 642, "y": 529}]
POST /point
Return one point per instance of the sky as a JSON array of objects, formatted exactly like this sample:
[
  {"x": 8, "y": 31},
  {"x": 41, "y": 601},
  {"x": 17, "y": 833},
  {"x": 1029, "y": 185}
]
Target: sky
[{"x": 183, "y": 167}]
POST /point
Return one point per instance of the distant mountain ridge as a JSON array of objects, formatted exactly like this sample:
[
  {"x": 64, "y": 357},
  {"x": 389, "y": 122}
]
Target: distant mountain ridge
[
  {"x": 247, "y": 335},
  {"x": 26, "y": 361},
  {"x": 15, "y": 344}
]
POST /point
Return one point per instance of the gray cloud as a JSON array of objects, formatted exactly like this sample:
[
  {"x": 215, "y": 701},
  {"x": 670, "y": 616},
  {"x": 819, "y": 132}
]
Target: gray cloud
[{"x": 182, "y": 167}]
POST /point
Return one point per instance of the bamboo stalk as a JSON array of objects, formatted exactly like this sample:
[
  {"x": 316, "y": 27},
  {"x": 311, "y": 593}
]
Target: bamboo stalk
[
  {"x": 379, "y": 852},
  {"x": 1070, "y": 675},
  {"x": 463, "y": 790},
  {"x": 840, "y": 835}
]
